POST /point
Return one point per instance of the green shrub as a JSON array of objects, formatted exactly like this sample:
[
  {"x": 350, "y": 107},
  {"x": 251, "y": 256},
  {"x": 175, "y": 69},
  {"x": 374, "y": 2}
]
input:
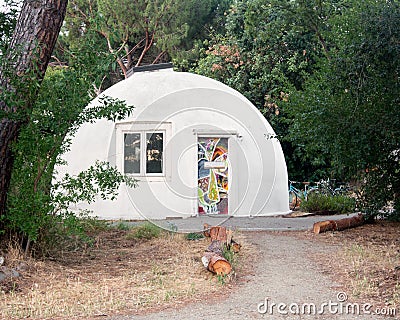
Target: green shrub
[
  {"x": 337, "y": 204},
  {"x": 67, "y": 232},
  {"x": 194, "y": 236},
  {"x": 229, "y": 255},
  {"x": 145, "y": 231},
  {"x": 124, "y": 226},
  {"x": 85, "y": 223}
]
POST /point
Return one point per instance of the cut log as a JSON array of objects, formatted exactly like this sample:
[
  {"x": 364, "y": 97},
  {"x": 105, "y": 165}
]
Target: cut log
[
  {"x": 323, "y": 226},
  {"x": 218, "y": 233},
  {"x": 221, "y": 234},
  {"x": 215, "y": 233},
  {"x": 216, "y": 246},
  {"x": 213, "y": 258},
  {"x": 352, "y": 222},
  {"x": 221, "y": 239},
  {"x": 216, "y": 263},
  {"x": 338, "y": 225},
  {"x": 206, "y": 230}
]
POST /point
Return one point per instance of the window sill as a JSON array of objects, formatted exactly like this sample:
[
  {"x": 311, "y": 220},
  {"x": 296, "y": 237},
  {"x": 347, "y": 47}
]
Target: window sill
[{"x": 151, "y": 178}]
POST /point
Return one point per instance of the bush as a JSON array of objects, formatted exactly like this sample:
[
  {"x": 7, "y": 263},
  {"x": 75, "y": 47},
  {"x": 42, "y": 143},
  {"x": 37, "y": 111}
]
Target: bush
[
  {"x": 124, "y": 226},
  {"x": 145, "y": 231},
  {"x": 67, "y": 233},
  {"x": 378, "y": 196},
  {"x": 337, "y": 204},
  {"x": 194, "y": 236}
]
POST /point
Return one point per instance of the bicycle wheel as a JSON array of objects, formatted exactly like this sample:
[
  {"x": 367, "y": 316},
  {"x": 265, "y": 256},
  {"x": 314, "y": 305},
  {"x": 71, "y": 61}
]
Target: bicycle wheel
[{"x": 293, "y": 200}]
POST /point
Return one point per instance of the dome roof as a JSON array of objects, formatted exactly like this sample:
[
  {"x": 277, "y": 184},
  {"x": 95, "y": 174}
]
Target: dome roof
[
  {"x": 143, "y": 88},
  {"x": 187, "y": 108}
]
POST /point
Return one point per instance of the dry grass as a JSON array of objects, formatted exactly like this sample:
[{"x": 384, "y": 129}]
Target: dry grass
[
  {"x": 14, "y": 254},
  {"x": 366, "y": 262},
  {"x": 118, "y": 275}
]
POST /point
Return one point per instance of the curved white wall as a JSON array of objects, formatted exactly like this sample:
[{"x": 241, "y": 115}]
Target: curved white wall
[{"x": 192, "y": 104}]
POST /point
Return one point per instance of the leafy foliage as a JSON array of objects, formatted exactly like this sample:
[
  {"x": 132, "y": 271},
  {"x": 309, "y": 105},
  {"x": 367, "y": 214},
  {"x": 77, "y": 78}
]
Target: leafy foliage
[
  {"x": 325, "y": 75},
  {"x": 68, "y": 232},
  {"x": 269, "y": 50},
  {"x": 194, "y": 236},
  {"x": 140, "y": 32},
  {"x": 8, "y": 19},
  {"x": 349, "y": 110},
  {"x": 121, "y": 225},
  {"x": 337, "y": 204},
  {"x": 35, "y": 205},
  {"x": 100, "y": 180},
  {"x": 146, "y": 231}
]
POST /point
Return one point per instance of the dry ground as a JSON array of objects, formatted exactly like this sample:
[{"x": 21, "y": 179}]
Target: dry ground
[
  {"x": 364, "y": 260},
  {"x": 120, "y": 275}
]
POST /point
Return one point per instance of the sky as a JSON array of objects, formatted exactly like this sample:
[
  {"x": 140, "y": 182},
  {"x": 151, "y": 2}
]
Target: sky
[{"x": 3, "y": 6}]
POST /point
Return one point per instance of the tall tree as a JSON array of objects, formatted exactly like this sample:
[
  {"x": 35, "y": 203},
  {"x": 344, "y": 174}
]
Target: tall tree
[
  {"x": 269, "y": 50},
  {"x": 22, "y": 71},
  {"x": 141, "y": 31},
  {"x": 349, "y": 109}
]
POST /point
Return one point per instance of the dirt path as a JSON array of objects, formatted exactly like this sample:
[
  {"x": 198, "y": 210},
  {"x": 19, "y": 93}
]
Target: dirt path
[{"x": 284, "y": 274}]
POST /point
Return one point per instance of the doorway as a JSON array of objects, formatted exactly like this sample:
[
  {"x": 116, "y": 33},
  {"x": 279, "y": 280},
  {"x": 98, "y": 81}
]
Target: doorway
[{"x": 213, "y": 175}]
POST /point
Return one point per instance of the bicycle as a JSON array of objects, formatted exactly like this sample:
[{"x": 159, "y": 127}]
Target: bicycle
[
  {"x": 329, "y": 187},
  {"x": 297, "y": 195}
]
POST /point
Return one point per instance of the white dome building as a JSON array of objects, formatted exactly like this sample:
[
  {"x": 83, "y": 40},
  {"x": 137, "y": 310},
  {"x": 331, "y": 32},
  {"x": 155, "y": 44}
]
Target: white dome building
[{"x": 195, "y": 145}]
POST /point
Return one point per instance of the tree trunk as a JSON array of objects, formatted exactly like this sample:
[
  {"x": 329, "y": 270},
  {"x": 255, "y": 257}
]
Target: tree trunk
[
  {"x": 33, "y": 41},
  {"x": 338, "y": 225},
  {"x": 8, "y": 131}
]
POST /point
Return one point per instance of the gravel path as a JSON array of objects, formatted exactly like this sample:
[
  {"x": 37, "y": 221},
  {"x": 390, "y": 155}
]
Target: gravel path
[{"x": 283, "y": 274}]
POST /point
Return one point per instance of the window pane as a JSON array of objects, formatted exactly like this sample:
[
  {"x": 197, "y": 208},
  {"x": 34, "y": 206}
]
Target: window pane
[
  {"x": 132, "y": 153},
  {"x": 154, "y": 159}
]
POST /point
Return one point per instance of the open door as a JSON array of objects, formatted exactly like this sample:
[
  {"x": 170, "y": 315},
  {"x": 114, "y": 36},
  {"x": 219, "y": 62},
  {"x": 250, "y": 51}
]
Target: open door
[{"x": 213, "y": 175}]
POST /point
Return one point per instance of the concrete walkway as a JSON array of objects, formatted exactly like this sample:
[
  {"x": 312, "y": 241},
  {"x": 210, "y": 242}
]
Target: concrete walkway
[{"x": 275, "y": 223}]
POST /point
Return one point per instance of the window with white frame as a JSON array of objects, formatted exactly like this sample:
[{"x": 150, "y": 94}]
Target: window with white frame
[{"x": 142, "y": 148}]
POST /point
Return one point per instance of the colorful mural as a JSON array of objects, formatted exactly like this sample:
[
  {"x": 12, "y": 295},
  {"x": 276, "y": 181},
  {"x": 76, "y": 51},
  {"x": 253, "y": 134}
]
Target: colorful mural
[{"x": 213, "y": 173}]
